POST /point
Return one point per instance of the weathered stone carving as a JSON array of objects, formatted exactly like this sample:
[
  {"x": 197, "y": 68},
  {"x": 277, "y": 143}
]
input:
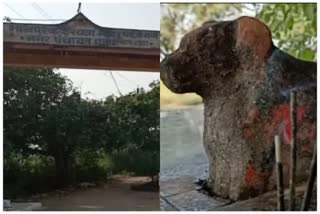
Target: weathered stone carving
[{"x": 245, "y": 82}]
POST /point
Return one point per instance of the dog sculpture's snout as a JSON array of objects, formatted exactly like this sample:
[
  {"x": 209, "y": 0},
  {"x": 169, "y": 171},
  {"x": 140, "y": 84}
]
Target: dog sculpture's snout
[
  {"x": 167, "y": 62},
  {"x": 164, "y": 69},
  {"x": 169, "y": 69}
]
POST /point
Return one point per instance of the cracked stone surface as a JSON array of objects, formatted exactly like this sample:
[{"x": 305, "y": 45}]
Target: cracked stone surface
[
  {"x": 166, "y": 206},
  {"x": 194, "y": 201},
  {"x": 176, "y": 186}
]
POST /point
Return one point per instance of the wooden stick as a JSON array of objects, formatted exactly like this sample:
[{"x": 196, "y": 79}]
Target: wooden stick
[
  {"x": 293, "y": 158},
  {"x": 279, "y": 173},
  {"x": 311, "y": 179}
]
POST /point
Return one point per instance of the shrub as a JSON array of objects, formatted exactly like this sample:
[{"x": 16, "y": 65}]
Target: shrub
[
  {"x": 92, "y": 166},
  {"x": 37, "y": 171}
]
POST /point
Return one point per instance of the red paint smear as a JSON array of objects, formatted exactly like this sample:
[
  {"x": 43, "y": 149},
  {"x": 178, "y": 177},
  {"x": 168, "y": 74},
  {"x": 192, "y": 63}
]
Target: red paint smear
[
  {"x": 256, "y": 179},
  {"x": 251, "y": 174},
  {"x": 248, "y": 133},
  {"x": 252, "y": 117},
  {"x": 281, "y": 122},
  {"x": 306, "y": 149},
  {"x": 282, "y": 112}
]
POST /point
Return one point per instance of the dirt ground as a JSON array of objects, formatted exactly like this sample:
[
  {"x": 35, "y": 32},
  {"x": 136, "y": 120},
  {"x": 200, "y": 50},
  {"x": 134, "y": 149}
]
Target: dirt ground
[{"x": 116, "y": 195}]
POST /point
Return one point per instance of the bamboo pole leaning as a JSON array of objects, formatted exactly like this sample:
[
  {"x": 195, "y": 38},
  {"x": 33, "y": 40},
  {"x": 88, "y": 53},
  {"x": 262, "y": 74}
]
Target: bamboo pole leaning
[
  {"x": 310, "y": 183},
  {"x": 280, "y": 187},
  {"x": 293, "y": 150}
]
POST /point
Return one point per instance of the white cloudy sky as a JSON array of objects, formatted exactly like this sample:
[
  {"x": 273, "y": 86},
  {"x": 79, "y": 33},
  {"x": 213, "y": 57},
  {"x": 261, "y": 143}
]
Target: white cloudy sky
[{"x": 96, "y": 84}]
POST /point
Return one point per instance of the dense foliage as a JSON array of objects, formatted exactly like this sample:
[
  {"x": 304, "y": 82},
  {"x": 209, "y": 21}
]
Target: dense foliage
[
  {"x": 53, "y": 138},
  {"x": 294, "y": 26}
]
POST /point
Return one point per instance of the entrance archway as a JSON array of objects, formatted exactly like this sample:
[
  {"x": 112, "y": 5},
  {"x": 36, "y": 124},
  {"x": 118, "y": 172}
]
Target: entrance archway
[{"x": 79, "y": 43}]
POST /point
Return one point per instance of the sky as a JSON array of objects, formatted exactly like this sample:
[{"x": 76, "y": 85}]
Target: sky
[{"x": 95, "y": 84}]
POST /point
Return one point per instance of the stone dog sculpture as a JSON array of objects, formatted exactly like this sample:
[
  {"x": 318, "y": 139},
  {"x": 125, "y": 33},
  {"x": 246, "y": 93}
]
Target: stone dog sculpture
[{"x": 245, "y": 82}]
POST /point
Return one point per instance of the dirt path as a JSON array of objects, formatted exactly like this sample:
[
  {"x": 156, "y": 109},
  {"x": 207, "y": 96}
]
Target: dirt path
[{"x": 114, "y": 196}]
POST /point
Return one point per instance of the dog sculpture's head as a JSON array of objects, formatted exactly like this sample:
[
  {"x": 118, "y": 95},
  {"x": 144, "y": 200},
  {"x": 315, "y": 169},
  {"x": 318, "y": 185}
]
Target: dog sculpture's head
[{"x": 214, "y": 53}]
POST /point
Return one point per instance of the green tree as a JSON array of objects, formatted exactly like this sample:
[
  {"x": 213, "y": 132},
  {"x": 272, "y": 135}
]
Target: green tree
[
  {"x": 27, "y": 95},
  {"x": 46, "y": 121},
  {"x": 138, "y": 132},
  {"x": 293, "y": 26},
  {"x": 42, "y": 115},
  {"x": 62, "y": 130}
]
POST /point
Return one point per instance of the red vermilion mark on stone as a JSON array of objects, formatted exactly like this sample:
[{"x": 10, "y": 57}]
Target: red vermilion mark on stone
[
  {"x": 248, "y": 133},
  {"x": 252, "y": 117},
  {"x": 256, "y": 179},
  {"x": 250, "y": 176},
  {"x": 281, "y": 122}
]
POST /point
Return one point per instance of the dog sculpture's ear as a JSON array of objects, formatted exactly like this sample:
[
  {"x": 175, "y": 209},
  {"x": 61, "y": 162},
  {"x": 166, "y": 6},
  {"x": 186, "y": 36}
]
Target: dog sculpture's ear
[{"x": 255, "y": 35}]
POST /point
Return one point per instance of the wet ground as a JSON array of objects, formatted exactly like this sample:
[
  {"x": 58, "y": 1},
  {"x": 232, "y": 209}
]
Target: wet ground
[{"x": 112, "y": 196}]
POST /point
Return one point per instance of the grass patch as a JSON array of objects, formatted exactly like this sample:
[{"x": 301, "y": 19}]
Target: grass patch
[{"x": 170, "y": 99}]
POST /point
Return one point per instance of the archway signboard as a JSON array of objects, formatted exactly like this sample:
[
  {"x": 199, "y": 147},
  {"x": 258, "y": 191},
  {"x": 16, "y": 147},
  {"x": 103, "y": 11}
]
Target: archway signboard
[{"x": 79, "y": 43}]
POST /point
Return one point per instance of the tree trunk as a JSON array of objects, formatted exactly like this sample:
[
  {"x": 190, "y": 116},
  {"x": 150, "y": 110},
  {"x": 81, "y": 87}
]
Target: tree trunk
[{"x": 65, "y": 171}]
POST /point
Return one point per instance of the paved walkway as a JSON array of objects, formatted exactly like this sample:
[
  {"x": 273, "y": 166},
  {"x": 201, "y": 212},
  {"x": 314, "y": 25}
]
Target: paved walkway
[{"x": 181, "y": 195}]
